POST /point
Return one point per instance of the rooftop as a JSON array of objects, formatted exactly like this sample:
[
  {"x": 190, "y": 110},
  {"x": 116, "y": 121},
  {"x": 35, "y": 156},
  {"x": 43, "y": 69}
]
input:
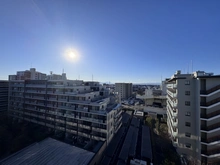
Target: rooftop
[{"x": 50, "y": 151}]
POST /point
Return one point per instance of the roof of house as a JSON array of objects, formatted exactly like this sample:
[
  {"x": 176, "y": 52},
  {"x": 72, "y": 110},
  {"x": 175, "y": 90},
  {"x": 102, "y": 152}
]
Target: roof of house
[{"x": 49, "y": 151}]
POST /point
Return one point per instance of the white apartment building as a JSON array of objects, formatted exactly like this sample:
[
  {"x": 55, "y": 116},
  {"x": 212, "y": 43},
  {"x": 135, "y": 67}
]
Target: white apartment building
[
  {"x": 193, "y": 110},
  {"x": 124, "y": 90},
  {"x": 31, "y": 74},
  {"x": 80, "y": 110}
]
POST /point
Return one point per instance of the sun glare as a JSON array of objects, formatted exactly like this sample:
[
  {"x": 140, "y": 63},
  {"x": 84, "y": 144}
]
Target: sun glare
[{"x": 71, "y": 55}]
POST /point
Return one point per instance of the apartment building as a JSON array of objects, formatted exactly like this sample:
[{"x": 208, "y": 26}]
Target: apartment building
[
  {"x": 31, "y": 74},
  {"x": 193, "y": 103},
  {"x": 124, "y": 90},
  {"x": 3, "y": 95},
  {"x": 80, "y": 110}
]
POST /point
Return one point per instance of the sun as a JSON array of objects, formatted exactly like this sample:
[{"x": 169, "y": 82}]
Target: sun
[{"x": 71, "y": 55}]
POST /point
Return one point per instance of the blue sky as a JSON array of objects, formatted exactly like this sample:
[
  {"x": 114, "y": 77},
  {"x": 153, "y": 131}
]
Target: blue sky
[{"x": 118, "y": 41}]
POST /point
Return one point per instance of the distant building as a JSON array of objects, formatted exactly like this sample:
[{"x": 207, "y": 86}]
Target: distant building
[
  {"x": 154, "y": 97},
  {"x": 193, "y": 104},
  {"x": 124, "y": 90},
  {"x": 56, "y": 76},
  {"x": 31, "y": 74},
  {"x": 3, "y": 95},
  {"x": 80, "y": 110}
]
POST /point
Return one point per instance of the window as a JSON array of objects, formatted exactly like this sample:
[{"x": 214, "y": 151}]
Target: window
[
  {"x": 187, "y": 82},
  {"x": 187, "y": 103},
  {"x": 188, "y": 124},
  {"x": 188, "y": 145},
  {"x": 187, "y": 93},
  {"x": 187, "y": 134},
  {"x": 188, "y": 114}
]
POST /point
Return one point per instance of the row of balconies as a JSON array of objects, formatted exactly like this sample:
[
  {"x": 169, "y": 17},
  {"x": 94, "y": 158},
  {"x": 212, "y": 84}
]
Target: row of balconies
[
  {"x": 174, "y": 131},
  {"x": 173, "y": 111}
]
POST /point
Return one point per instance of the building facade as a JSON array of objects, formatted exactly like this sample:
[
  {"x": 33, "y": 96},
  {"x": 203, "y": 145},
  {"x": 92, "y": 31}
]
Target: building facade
[
  {"x": 3, "y": 95},
  {"x": 193, "y": 103},
  {"x": 124, "y": 90},
  {"x": 81, "y": 110}
]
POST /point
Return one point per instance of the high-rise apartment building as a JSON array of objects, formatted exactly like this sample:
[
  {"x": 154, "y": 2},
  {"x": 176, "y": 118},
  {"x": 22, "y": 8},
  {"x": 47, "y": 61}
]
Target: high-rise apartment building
[
  {"x": 80, "y": 110},
  {"x": 193, "y": 110},
  {"x": 3, "y": 95},
  {"x": 124, "y": 90}
]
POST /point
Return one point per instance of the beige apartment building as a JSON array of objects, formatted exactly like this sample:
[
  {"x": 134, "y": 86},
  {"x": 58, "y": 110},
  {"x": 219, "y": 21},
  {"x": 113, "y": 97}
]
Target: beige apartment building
[
  {"x": 193, "y": 110},
  {"x": 124, "y": 90},
  {"x": 80, "y": 110}
]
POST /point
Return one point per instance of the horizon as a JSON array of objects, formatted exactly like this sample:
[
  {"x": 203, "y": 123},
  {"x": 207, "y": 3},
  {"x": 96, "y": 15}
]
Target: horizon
[{"x": 135, "y": 41}]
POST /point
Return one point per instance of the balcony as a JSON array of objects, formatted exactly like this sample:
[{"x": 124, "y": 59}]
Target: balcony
[
  {"x": 211, "y": 152},
  {"x": 206, "y": 92},
  {"x": 84, "y": 126},
  {"x": 210, "y": 115},
  {"x": 171, "y": 90},
  {"x": 99, "y": 130},
  {"x": 71, "y": 123},
  {"x": 50, "y": 118},
  {"x": 60, "y": 121},
  {"x": 36, "y": 85},
  {"x": 60, "y": 128},
  {"x": 173, "y": 85},
  {"x": 211, "y": 127},
  {"x": 84, "y": 134},
  {"x": 206, "y": 104},
  {"x": 210, "y": 140},
  {"x": 71, "y": 131}
]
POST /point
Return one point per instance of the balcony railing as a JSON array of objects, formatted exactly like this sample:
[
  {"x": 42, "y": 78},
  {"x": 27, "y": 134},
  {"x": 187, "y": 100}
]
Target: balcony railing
[
  {"x": 211, "y": 127},
  {"x": 172, "y": 90},
  {"x": 206, "y": 92},
  {"x": 71, "y": 123}
]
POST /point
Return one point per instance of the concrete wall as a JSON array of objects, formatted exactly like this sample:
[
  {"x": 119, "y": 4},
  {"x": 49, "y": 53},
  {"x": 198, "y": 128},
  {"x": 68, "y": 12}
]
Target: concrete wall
[{"x": 97, "y": 158}]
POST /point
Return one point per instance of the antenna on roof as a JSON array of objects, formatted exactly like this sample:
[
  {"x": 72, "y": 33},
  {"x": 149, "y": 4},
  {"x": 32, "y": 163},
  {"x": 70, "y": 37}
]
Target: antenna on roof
[
  {"x": 92, "y": 77},
  {"x": 63, "y": 70},
  {"x": 192, "y": 65},
  {"x": 187, "y": 68}
]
